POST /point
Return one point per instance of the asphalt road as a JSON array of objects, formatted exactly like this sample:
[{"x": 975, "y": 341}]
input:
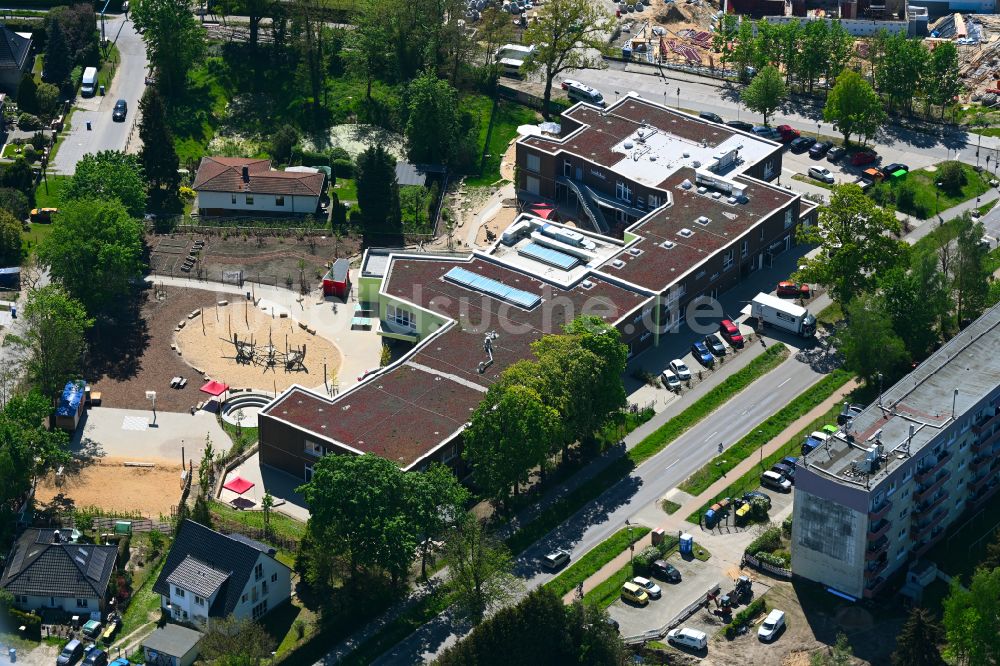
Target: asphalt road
[
  {"x": 604, "y": 516},
  {"x": 129, "y": 84}
]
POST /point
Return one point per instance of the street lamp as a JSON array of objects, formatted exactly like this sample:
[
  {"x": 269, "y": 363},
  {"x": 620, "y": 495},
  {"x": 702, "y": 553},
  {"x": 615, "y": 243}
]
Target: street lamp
[
  {"x": 937, "y": 202},
  {"x": 819, "y": 128},
  {"x": 760, "y": 433},
  {"x": 151, "y": 395},
  {"x": 631, "y": 544},
  {"x": 678, "y": 98}
]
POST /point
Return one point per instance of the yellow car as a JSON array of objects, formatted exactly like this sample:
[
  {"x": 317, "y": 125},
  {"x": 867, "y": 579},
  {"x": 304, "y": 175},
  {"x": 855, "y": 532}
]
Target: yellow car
[
  {"x": 43, "y": 215},
  {"x": 634, "y": 594}
]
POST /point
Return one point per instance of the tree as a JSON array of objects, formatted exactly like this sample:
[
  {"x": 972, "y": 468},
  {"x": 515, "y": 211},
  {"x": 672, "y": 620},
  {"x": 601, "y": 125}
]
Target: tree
[
  {"x": 110, "y": 175},
  {"x": 58, "y": 62},
  {"x": 479, "y": 570},
  {"x": 365, "y": 49},
  {"x": 972, "y": 619},
  {"x": 174, "y": 41},
  {"x": 282, "y": 143},
  {"x": 840, "y": 49},
  {"x": 868, "y": 343},
  {"x": 917, "y": 642},
  {"x": 508, "y": 435},
  {"x": 432, "y": 125},
  {"x": 992, "y": 559},
  {"x": 10, "y": 239},
  {"x": 814, "y": 56},
  {"x": 14, "y": 202},
  {"x": 49, "y": 100},
  {"x": 438, "y": 503},
  {"x": 53, "y": 338},
  {"x": 917, "y": 302},
  {"x": 236, "y": 642},
  {"x": 951, "y": 176},
  {"x": 970, "y": 271},
  {"x": 95, "y": 252},
  {"x": 840, "y": 654},
  {"x": 18, "y": 176},
  {"x": 857, "y": 243},
  {"x": 266, "y": 506},
  {"x": 744, "y": 49},
  {"x": 378, "y": 193},
  {"x": 360, "y": 509},
  {"x": 256, "y": 11},
  {"x": 943, "y": 80},
  {"x": 565, "y": 34},
  {"x": 158, "y": 156},
  {"x": 27, "y": 94},
  {"x": 898, "y": 69},
  {"x": 854, "y": 107},
  {"x": 766, "y": 92},
  {"x": 78, "y": 24}
]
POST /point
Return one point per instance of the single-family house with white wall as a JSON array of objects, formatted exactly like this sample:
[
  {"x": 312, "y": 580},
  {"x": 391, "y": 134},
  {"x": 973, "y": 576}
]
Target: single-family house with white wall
[
  {"x": 45, "y": 570},
  {"x": 240, "y": 186},
  {"x": 208, "y": 575}
]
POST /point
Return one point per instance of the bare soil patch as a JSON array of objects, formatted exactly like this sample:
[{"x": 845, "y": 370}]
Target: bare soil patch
[{"x": 107, "y": 483}]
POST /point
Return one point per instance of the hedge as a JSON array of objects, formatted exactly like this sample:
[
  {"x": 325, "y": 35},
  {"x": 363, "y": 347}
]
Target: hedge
[
  {"x": 745, "y": 617},
  {"x": 768, "y": 541},
  {"x": 595, "y": 559},
  {"x": 32, "y": 623}
]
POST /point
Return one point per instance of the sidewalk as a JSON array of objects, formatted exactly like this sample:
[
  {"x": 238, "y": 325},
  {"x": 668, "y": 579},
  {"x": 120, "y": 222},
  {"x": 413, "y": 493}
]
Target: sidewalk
[{"x": 677, "y": 522}]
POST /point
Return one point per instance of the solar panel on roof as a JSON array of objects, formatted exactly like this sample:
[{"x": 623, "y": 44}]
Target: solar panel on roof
[
  {"x": 549, "y": 256},
  {"x": 493, "y": 287}
]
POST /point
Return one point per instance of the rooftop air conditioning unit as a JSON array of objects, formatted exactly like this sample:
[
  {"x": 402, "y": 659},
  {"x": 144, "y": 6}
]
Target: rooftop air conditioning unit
[
  {"x": 587, "y": 284},
  {"x": 618, "y": 263},
  {"x": 703, "y": 220},
  {"x": 702, "y": 190},
  {"x": 687, "y": 184},
  {"x": 627, "y": 145},
  {"x": 687, "y": 233},
  {"x": 634, "y": 251},
  {"x": 668, "y": 245}
]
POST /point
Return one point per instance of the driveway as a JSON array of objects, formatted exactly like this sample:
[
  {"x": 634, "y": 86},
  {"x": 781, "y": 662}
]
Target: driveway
[{"x": 129, "y": 84}]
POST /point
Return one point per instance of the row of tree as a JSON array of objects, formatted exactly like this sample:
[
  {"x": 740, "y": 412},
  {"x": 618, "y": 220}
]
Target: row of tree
[{"x": 70, "y": 41}]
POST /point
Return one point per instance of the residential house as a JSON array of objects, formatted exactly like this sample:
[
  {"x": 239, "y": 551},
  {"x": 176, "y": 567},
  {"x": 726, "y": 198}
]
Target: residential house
[
  {"x": 15, "y": 58},
  {"x": 47, "y": 571},
  {"x": 240, "y": 186},
  {"x": 208, "y": 574}
]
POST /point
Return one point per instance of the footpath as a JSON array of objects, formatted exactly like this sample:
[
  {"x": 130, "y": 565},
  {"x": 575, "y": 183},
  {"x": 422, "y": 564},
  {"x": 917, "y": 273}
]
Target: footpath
[{"x": 676, "y": 521}]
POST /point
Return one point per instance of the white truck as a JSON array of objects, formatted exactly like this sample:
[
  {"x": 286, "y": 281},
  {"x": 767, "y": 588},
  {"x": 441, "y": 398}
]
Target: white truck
[
  {"x": 772, "y": 311},
  {"x": 88, "y": 84},
  {"x": 511, "y": 58}
]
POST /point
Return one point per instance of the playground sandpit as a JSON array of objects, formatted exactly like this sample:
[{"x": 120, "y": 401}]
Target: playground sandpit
[{"x": 270, "y": 357}]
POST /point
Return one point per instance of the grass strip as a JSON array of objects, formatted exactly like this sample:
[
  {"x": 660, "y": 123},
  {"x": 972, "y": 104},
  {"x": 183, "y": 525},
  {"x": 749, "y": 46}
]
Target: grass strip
[
  {"x": 280, "y": 524},
  {"x": 566, "y": 506},
  {"x": 768, "y": 430},
  {"x": 394, "y": 632},
  {"x": 716, "y": 468},
  {"x": 669, "y": 506},
  {"x": 594, "y": 559}
]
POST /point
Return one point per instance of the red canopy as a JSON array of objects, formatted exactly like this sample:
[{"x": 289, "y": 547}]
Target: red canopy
[
  {"x": 238, "y": 485},
  {"x": 542, "y": 210},
  {"x": 214, "y": 388}
]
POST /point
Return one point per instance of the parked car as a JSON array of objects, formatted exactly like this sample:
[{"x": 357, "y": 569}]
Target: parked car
[
  {"x": 689, "y": 638},
  {"x": 96, "y": 657},
  {"x": 863, "y": 157},
  {"x": 829, "y": 430},
  {"x": 757, "y": 495},
  {"x": 42, "y": 215},
  {"x": 848, "y": 411},
  {"x": 890, "y": 169},
  {"x": 70, "y": 654},
  {"x": 788, "y": 133},
  {"x": 785, "y": 471},
  {"x": 120, "y": 661},
  {"x": 665, "y": 571},
  {"x": 555, "y": 560},
  {"x": 715, "y": 345},
  {"x": 775, "y": 481},
  {"x": 680, "y": 369},
  {"x": 701, "y": 354},
  {"x": 814, "y": 440},
  {"x": 612, "y": 622},
  {"x": 92, "y": 628},
  {"x": 821, "y": 174},
  {"x": 634, "y": 594},
  {"x": 731, "y": 333},
  {"x": 652, "y": 589},
  {"x": 740, "y": 125},
  {"x": 835, "y": 153},
  {"x": 671, "y": 381},
  {"x": 771, "y": 625},
  {"x": 801, "y": 144},
  {"x": 765, "y": 132},
  {"x": 120, "y": 111},
  {"x": 791, "y": 461},
  {"x": 793, "y": 289},
  {"x": 820, "y": 149},
  {"x": 708, "y": 115}
]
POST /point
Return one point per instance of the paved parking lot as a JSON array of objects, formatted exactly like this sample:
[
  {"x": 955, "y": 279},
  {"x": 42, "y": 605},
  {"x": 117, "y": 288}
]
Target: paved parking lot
[{"x": 696, "y": 578}]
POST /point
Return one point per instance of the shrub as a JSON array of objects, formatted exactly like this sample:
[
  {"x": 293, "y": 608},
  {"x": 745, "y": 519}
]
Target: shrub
[
  {"x": 40, "y": 141},
  {"x": 644, "y": 558},
  {"x": 338, "y": 153},
  {"x": 745, "y": 616},
  {"x": 951, "y": 175},
  {"x": 187, "y": 193},
  {"x": 882, "y": 194},
  {"x": 123, "y": 552},
  {"x": 29, "y": 153},
  {"x": 767, "y": 542},
  {"x": 784, "y": 560},
  {"x": 28, "y": 122},
  {"x": 342, "y": 168},
  {"x": 786, "y": 527},
  {"x": 31, "y": 622}
]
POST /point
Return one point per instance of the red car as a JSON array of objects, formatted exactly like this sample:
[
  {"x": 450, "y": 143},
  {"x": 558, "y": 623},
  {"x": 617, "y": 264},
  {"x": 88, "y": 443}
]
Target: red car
[
  {"x": 788, "y": 133},
  {"x": 793, "y": 289},
  {"x": 731, "y": 333},
  {"x": 864, "y": 157}
]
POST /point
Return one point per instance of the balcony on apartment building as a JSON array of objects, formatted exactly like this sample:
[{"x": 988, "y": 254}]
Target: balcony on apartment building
[
  {"x": 977, "y": 483},
  {"x": 931, "y": 503},
  {"x": 873, "y": 586},
  {"x": 877, "y": 548},
  {"x": 924, "y": 475},
  {"x": 878, "y": 529},
  {"x": 876, "y": 514},
  {"x": 922, "y": 529},
  {"x": 873, "y": 569},
  {"x": 979, "y": 497},
  {"x": 986, "y": 422},
  {"x": 980, "y": 461},
  {"x": 928, "y": 489},
  {"x": 986, "y": 443}
]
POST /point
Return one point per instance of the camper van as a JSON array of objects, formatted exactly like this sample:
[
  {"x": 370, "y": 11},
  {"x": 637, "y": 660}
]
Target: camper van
[
  {"x": 511, "y": 58},
  {"x": 88, "y": 84}
]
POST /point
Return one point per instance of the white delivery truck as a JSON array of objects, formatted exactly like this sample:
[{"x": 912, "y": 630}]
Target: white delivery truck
[
  {"x": 88, "y": 84},
  {"x": 772, "y": 311}
]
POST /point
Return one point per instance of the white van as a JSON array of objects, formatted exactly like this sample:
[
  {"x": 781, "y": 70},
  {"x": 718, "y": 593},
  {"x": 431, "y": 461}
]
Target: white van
[
  {"x": 88, "y": 84},
  {"x": 775, "y": 481},
  {"x": 689, "y": 638},
  {"x": 579, "y": 92},
  {"x": 511, "y": 58},
  {"x": 772, "y": 624}
]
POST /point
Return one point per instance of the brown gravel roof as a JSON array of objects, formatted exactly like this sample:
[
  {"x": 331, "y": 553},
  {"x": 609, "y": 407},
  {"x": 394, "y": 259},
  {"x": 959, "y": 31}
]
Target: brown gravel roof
[{"x": 225, "y": 174}]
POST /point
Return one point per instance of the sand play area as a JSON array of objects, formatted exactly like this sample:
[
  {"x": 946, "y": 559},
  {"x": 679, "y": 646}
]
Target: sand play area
[
  {"x": 113, "y": 486},
  {"x": 206, "y": 343}
]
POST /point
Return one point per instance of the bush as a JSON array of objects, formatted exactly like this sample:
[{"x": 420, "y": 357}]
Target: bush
[
  {"x": 28, "y": 122},
  {"x": 745, "y": 617},
  {"x": 39, "y": 141},
  {"x": 644, "y": 558},
  {"x": 123, "y": 551},
  {"x": 783, "y": 560},
  {"x": 768, "y": 542},
  {"x": 951, "y": 175},
  {"x": 882, "y": 194},
  {"x": 187, "y": 193},
  {"x": 786, "y": 527},
  {"x": 338, "y": 153},
  {"x": 31, "y": 622},
  {"x": 342, "y": 168},
  {"x": 29, "y": 153}
]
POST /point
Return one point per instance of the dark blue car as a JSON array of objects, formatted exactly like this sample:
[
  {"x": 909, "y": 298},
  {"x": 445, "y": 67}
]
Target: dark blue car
[{"x": 702, "y": 355}]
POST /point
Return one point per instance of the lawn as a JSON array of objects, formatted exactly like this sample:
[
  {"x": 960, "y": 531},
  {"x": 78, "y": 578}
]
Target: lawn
[
  {"x": 929, "y": 199},
  {"x": 812, "y": 181},
  {"x": 242, "y": 437},
  {"x": 35, "y": 234},
  {"x": 281, "y": 525},
  {"x": 669, "y": 506},
  {"x": 108, "y": 68},
  {"x": 509, "y": 117},
  {"x": 594, "y": 559},
  {"x": 48, "y": 194},
  {"x": 831, "y": 314},
  {"x": 716, "y": 468},
  {"x": 143, "y": 604},
  {"x": 346, "y": 189}
]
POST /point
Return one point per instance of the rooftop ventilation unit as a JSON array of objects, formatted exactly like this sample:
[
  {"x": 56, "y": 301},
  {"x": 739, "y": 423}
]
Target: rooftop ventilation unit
[
  {"x": 687, "y": 155},
  {"x": 652, "y": 158},
  {"x": 716, "y": 195},
  {"x": 634, "y": 251},
  {"x": 587, "y": 284},
  {"x": 627, "y": 145},
  {"x": 696, "y": 164},
  {"x": 668, "y": 245},
  {"x": 687, "y": 184},
  {"x": 702, "y": 190},
  {"x": 703, "y": 220},
  {"x": 685, "y": 232},
  {"x": 618, "y": 263},
  {"x": 732, "y": 200}
]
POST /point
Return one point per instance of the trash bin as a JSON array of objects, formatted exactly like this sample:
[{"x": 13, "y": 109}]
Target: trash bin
[
  {"x": 12, "y": 653},
  {"x": 102, "y": 91},
  {"x": 88, "y": 126}
]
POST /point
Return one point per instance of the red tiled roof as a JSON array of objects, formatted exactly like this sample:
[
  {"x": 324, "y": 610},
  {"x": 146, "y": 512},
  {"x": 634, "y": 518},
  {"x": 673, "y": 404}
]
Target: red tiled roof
[
  {"x": 406, "y": 413},
  {"x": 225, "y": 174}
]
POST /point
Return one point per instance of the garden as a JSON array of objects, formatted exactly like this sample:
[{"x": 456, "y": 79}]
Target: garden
[{"x": 927, "y": 192}]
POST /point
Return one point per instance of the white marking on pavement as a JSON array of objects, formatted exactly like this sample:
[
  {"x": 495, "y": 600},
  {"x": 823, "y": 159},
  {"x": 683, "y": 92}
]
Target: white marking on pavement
[
  {"x": 712, "y": 435},
  {"x": 671, "y": 464},
  {"x": 139, "y": 423},
  {"x": 784, "y": 382}
]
